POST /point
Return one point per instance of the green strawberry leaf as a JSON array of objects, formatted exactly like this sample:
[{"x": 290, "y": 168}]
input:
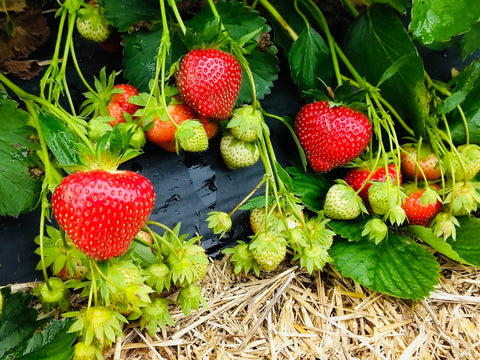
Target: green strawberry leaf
[
  {"x": 237, "y": 19},
  {"x": 54, "y": 342},
  {"x": 310, "y": 188},
  {"x": 265, "y": 67},
  {"x": 426, "y": 27},
  {"x": 122, "y": 15},
  {"x": 438, "y": 243},
  {"x": 20, "y": 174},
  {"x": 351, "y": 229},
  {"x": 470, "y": 41},
  {"x": 466, "y": 244},
  {"x": 374, "y": 44},
  {"x": 18, "y": 323},
  {"x": 398, "y": 266},
  {"x": 467, "y": 94},
  {"x": 139, "y": 54},
  {"x": 399, "y": 5},
  {"x": 59, "y": 139},
  {"x": 308, "y": 74}
]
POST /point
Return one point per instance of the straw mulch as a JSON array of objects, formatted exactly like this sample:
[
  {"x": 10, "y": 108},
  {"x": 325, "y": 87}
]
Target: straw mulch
[{"x": 293, "y": 315}]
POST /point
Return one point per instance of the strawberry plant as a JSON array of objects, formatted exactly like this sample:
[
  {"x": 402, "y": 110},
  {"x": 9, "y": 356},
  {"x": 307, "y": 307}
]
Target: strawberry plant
[{"x": 386, "y": 156}]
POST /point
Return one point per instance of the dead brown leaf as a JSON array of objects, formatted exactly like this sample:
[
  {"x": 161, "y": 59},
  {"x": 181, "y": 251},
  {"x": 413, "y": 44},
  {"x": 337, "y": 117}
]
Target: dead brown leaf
[
  {"x": 24, "y": 69},
  {"x": 31, "y": 32},
  {"x": 14, "y": 5}
]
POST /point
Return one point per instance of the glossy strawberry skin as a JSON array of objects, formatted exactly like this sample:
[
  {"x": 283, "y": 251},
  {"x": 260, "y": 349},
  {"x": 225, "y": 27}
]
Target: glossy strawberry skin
[
  {"x": 162, "y": 133},
  {"x": 357, "y": 177},
  {"x": 418, "y": 213},
  {"x": 331, "y": 136},
  {"x": 102, "y": 211},
  {"x": 119, "y": 103},
  {"x": 209, "y": 80}
]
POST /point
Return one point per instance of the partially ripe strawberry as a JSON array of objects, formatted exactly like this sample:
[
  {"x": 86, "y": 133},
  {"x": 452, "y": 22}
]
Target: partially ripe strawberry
[
  {"x": 421, "y": 207},
  {"x": 358, "y": 176},
  {"x": 428, "y": 162},
  {"x": 238, "y": 154},
  {"x": 331, "y": 136},
  {"x": 102, "y": 211},
  {"x": 162, "y": 131},
  {"x": 209, "y": 81}
]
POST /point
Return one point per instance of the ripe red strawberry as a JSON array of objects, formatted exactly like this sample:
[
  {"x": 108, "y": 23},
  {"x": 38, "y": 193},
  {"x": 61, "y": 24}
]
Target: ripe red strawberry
[
  {"x": 418, "y": 212},
  {"x": 211, "y": 126},
  {"x": 331, "y": 136},
  {"x": 357, "y": 177},
  {"x": 162, "y": 133},
  {"x": 428, "y": 162},
  {"x": 102, "y": 211},
  {"x": 209, "y": 81},
  {"x": 119, "y": 103}
]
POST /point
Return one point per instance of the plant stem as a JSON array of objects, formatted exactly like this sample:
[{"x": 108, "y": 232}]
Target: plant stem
[{"x": 279, "y": 18}]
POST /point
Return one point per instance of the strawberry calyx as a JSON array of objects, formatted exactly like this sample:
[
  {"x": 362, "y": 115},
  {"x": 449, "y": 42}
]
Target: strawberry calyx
[
  {"x": 190, "y": 297},
  {"x": 242, "y": 258},
  {"x": 156, "y": 315},
  {"x": 313, "y": 257},
  {"x": 97, "y": 325},
  {"x": 220, "y": 222},
  {"x": 375, "y": 229},
  {"x": 246, "y": 123}
]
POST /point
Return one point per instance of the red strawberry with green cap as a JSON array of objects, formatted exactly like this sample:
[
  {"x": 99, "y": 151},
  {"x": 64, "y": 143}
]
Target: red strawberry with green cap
[
  {"x": 422, "y": 205},
  {"x": 209, "y": 80},
  {"x": 331, "y": 135},
  {"x": 102, "y": 211}
]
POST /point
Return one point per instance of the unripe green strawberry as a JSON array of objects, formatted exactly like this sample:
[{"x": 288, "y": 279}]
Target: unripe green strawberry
[
  {"x": 83, "y": 351},
  {"x": 158, "y": 277},
  {"x": 192, "y": 136},
  {"x": 444, "y": 225},
  {"x": 97, "y": 30},
  {"x": 384, "y": 196},
  {"x": 342, "y": 203},
  {"x": 190, "y": 297},
  {"x": 268, "y": 250},
  {"x": 188, "y": 265},
  {"x": 246, "y": 123},
  {"x": 465, "y": 198},
  {"x": 470, "y": 158},
  {"x": 128, "y": 292},
  {"x": 100, "y": 325},
  {"x": 238, "y": 154},
  {"x": 156, "y": 315},
  {"x": 313, "y": 257},
  {"x": 55, "y": 296},
  {"x": 242, "y": 258}
]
